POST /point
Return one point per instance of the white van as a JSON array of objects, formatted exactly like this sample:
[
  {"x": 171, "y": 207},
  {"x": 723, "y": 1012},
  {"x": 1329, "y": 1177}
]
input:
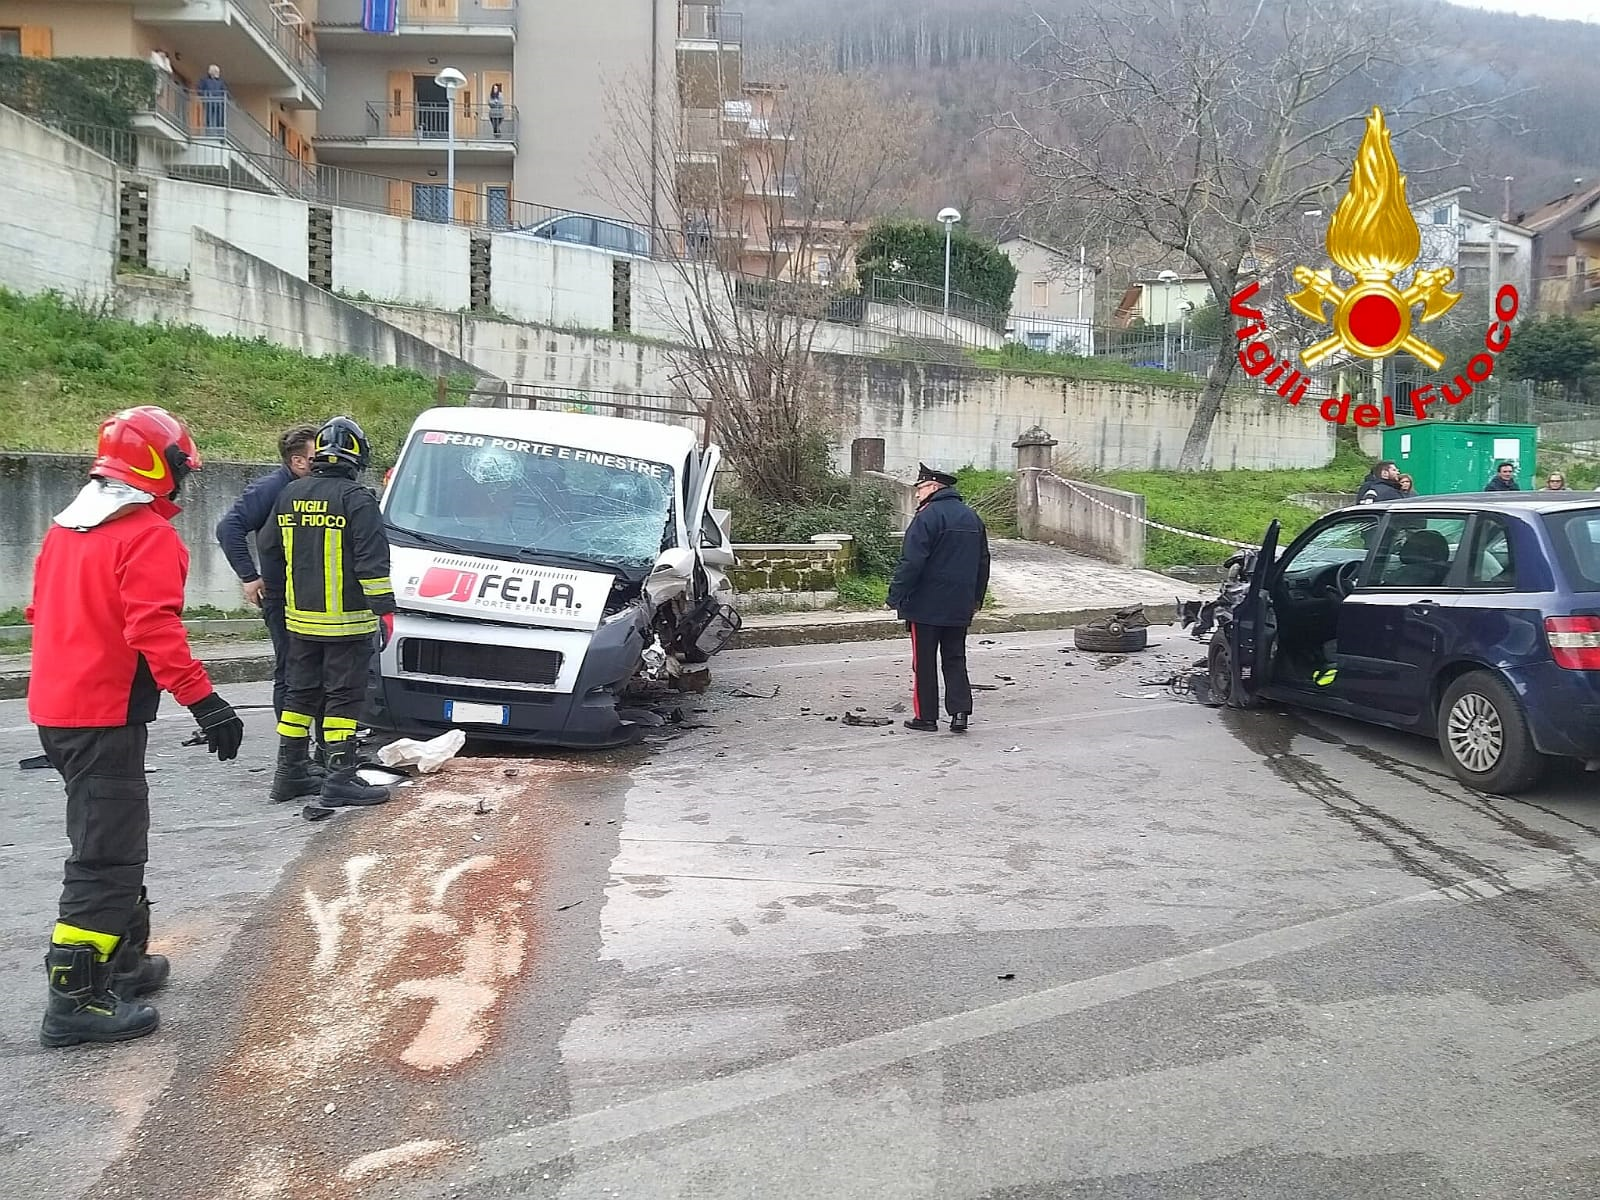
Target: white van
[{"x": 541, "y": 562}]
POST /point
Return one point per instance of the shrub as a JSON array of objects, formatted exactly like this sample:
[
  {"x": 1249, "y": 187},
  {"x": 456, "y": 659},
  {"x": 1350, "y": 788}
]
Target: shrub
[
  {"x": 839, "y": 507},
  {"x": 977, "y": 267}
]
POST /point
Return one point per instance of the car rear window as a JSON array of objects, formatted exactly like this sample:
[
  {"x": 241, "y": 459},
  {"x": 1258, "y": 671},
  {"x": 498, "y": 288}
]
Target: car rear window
[{"x": 1577, "y": 540}]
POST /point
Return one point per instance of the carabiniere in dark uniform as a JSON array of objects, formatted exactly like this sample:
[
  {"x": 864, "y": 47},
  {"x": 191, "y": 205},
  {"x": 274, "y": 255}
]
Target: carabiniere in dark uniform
[{"x": 337, "y": 598}]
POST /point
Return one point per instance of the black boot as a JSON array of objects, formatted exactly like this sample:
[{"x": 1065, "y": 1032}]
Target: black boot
[
  {"x": 958, "y": 723},
  {"x": 82, "y": 1007},
  {"x": 293, "y": 778},
  {"x": 342, "y": 786},
  {"x": 135, "y": 971}
]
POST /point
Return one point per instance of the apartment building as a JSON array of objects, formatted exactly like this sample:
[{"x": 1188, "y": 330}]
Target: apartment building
[
  {"x": 274, "y": 80},
  {"x": 319, "y": 104}
]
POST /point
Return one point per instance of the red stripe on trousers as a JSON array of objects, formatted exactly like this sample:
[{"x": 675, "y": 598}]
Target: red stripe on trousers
[{"x": 916, "y": 700}]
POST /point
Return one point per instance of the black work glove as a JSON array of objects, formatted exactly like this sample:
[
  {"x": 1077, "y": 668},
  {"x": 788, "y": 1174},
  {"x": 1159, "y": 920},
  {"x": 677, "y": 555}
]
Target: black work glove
[{"x": 223, "y": 729}]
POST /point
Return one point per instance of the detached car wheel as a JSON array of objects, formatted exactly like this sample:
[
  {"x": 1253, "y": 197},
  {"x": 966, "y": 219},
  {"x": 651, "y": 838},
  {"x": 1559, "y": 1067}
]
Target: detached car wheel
[
  {"x": 1485, "y": 737},
  {"x": 1112, "y": 638}
]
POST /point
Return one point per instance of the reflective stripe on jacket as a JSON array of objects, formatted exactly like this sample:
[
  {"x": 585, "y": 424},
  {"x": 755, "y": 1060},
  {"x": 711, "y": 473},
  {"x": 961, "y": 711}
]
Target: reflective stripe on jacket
[{"x": 335, "y": 554}]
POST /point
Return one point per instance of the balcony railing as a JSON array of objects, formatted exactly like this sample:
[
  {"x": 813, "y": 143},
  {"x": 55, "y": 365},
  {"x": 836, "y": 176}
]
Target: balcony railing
[
  {"x": 430, "y": 122},
  {"x": 171, "y": 101},
  {"x": 770, "y": 185},
  {"x": 710, "y": 23},
  {"x": 451, "y": 14},
  {"x": 289, "y": 39},
  {"x": 217, "y": 119}
]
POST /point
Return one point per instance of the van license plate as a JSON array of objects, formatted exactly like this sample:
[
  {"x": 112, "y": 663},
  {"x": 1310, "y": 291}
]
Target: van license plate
[{"x": 460, "y": 712}]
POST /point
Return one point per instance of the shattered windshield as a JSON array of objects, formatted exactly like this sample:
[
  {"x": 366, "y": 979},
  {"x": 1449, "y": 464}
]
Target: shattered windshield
[{"x": 511, "y": 495}]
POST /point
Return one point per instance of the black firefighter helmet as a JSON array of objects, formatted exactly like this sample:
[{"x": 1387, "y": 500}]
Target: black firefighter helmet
[{"x": 341, "y": 440}]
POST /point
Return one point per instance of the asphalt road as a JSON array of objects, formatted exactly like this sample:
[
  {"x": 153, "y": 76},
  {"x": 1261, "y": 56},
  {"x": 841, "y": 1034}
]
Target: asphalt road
[{"x": 1109, "y": 944}]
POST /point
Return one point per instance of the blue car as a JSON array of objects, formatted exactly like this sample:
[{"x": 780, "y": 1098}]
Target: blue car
[{"x": 1472, "y": 618}]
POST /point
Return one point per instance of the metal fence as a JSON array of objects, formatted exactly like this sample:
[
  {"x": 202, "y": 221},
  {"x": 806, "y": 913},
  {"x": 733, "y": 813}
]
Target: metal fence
[{"x": 887, "y": 289}]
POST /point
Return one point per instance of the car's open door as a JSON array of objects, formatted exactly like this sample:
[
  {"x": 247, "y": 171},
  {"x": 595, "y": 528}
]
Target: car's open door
[{"x": 1248, "y": 636}]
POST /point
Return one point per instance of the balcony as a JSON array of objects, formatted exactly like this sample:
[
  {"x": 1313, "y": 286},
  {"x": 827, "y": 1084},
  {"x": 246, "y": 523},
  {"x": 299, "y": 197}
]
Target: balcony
[
  {"x": 257, "y": 43},
  {"x": 482, "y": 135},
  {"x": 774, "y": 185},
  {"x": 454, "y": 26},
  {"x": 167, "y": 118},
  {"x": 710, "y": 54}
]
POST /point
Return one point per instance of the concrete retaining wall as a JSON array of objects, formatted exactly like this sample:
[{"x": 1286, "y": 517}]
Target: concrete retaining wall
[
  {"x": 960, "y": 416},
  {"x": 232, "y": 293},
  {"x": 273, "y": 228},
  {"x": 1053, "y": 509},
  {"x": 58, "y": 213},
  {"x": 546, "y": 283},
  {"x": 388, "y": 258},
  {"x": 34, "y": 487}
]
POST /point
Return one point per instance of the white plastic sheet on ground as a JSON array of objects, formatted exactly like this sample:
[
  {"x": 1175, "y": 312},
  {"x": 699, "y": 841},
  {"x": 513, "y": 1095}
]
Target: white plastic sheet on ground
[{"x": 427, "y": 756}]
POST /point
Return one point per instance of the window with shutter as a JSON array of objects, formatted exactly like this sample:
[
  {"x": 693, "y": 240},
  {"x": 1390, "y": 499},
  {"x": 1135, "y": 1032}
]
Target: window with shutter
[{"x": 35, "y": 41}]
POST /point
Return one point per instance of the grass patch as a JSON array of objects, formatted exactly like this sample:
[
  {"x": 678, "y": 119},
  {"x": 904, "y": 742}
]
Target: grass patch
[
  {"x": 993, "y": 495},
  {"x": 863, "y": 591},
  {"x": 64, "y": 370},
  {"x": 1014, "y": 356},
  {"x": 1231, "y": 504}
]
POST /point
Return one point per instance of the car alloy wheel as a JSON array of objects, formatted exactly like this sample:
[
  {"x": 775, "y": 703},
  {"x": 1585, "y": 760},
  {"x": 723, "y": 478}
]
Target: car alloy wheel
[{"x": 1477, "y": 737}]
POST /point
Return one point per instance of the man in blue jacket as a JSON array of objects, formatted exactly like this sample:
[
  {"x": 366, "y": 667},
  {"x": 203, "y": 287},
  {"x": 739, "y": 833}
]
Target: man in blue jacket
[
  {"x": 251, "y": 513},
  {"x": 937, "y": 589}
]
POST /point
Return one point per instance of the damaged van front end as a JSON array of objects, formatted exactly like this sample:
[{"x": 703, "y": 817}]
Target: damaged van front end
[{"x": 544, "y": 564}]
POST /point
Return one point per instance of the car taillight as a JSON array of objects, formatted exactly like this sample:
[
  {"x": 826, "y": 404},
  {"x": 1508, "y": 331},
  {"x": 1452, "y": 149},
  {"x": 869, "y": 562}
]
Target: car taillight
[{"x": 1574, "y": 642}]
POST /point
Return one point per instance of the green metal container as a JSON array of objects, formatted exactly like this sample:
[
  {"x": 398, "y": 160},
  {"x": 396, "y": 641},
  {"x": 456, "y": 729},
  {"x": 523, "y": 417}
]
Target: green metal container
[{"x": 1457, "y": 456}]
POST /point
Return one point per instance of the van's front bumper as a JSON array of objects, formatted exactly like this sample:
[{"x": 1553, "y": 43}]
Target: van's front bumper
[{"x": 579, "y": 709}]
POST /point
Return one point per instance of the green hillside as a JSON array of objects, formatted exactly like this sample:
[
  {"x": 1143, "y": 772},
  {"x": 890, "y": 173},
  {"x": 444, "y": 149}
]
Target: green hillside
[{"x": 63, "y": 370}]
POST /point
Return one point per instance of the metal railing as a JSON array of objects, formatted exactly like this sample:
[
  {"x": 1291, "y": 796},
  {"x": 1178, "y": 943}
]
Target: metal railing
[
  {"x": 769, "y": 185},
  {"x": 430, "y": 122},
  {"x": 886, "y": 289},
  {"x": 171, "y": 100},
  {"x": 454, "y": 14},
  {"x": 214, "y": 119},
  {"x": 119, "y": 145},
  {"x": 710, "y": 23},
  {"x": 288, "y": 39}
]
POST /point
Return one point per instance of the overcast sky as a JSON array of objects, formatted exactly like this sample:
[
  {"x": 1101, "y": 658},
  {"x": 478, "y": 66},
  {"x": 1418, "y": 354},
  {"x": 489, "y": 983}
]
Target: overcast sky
[{"x": 1558, "y": 10}]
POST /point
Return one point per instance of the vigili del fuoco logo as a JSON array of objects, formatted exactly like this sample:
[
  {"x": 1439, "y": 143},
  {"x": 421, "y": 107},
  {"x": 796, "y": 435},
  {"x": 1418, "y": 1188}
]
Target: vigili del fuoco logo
[{"x": 1374, "y": 237}]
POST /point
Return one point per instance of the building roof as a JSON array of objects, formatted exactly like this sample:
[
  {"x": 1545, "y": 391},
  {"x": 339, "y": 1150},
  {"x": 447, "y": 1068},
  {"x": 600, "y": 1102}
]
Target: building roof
[
  {"x": 1032, "y": 241},
  {"x": 1553, "y": 212},
  {"x": 1451, "y": 194}
]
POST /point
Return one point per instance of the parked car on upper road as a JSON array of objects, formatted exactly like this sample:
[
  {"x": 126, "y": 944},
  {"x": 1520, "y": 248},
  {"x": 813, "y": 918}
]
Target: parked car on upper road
[
  {"x": 1474, "y": 618},
  {"x": 614, "y": 237}
]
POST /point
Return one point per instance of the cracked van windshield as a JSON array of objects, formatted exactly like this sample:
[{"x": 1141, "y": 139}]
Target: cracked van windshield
[{"x": 534, "y": 497}]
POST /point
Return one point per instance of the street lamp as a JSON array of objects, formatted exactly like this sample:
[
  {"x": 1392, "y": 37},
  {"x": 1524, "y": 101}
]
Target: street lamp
[
  {"x": 948, "y": 218},
  {"x": 1166, "y": 279},
  {"x": 450, "y": 79}
]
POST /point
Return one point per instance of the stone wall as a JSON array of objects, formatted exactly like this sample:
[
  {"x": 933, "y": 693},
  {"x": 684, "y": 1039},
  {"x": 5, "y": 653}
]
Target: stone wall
[{"x": 793, "y": 575}]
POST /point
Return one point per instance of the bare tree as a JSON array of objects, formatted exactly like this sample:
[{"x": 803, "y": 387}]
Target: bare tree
[
  {"x": 1209, "y": 129},
  {"x": 767, "y": 193}
]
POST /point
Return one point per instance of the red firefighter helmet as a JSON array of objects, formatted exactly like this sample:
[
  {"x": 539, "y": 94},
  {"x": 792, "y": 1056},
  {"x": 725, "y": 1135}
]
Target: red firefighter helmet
[{"x": 147, "y": 448}]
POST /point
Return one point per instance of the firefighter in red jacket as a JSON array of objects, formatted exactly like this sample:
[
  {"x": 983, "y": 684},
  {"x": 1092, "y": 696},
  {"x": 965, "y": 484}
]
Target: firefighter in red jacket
[{"x": 108, "y": 639}]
